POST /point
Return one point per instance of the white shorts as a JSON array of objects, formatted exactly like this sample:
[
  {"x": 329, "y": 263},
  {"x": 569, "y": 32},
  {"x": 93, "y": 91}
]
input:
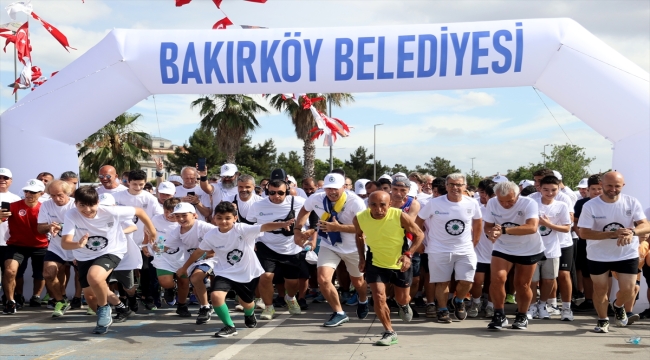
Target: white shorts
[
  {"x": 549, "y": 269},
  {"x": 330, "y": 258},
  {"x": 442, "y": 265}
]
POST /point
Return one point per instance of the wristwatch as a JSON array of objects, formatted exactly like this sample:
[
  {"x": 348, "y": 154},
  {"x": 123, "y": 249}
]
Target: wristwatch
[
  {"x": 503, "y": 230},
  {"x": 408, "y": 254},
  {"x": 633, "y": 232}
]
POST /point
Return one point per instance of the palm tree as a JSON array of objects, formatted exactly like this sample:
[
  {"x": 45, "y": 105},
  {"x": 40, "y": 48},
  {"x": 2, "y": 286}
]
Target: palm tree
[
  {"x": 303, "y": 121},
  {"x": 231, "y": 116},
  {"x": 118, "y": 143}
]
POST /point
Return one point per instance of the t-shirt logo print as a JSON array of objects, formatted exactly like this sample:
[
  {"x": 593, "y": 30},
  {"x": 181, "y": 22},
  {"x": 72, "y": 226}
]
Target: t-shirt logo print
[
  {"x": 96, "y": 243},
  {"x": 613, "y": 226},
  {"x": 455, "y": 227},
  {"x": 234, "y": 256},
  {"x": 544, "y": 231}
]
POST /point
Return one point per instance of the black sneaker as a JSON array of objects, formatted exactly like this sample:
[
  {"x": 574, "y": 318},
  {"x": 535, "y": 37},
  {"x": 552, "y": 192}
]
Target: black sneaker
[
  {"x": 392, "y": 304},
  {"x": 10, "y": 308},
  {"x": 250, "y": 321},
  {"x": 460, "y": 312},
  {"x": 602, "y": 326},
  {"x": 587, "y": 305},
  {"x": 610, "y": 310},
  {"x": 75, "y": 303},
  {"x": 205, "y": 314},
  {"x": 279, "y": 302},
  {"x": 182, "y": 310},
  {"x": 133, "y": 303},
  {"x": 35, "y": 301},
  {"x": 122, "y": 314},
  {"x": 521, "y": 322},
  {"x": 170, "y": 296},
  {"x": 443, "y": 317},
  {"x": 303, "y": 304},
  {"x": 226, "y": 331},
  {"x": 621, "y": 316},
  {"x": 20, "y": 301},
  {"x": 645, "y": 314},
  {"x": 419, "y": 302},
  {"x": 4, "y": 300},
  {"x": 416, "y": 314},
  {"x": 498, "y": 321},
  {"x": 149, "y": 304},
  {"x": 363, "y": 310},
  {"x": 51, "y": 303}
]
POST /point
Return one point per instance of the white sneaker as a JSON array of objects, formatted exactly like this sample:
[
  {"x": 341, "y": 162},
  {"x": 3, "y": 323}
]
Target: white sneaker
[
  {"x": 474, "y": 310},
  {"x": 259, "y": 304},
  {"x": 552, "y": 310},
  {"x": 238, "y": 307},
  {"x": 268, "y": 313},
  {"x": 542, "y": 311},
  {"x": 532, "y": 312},
  {"x": 567, "y": 315},
  {"x": 294, "y": 307}
]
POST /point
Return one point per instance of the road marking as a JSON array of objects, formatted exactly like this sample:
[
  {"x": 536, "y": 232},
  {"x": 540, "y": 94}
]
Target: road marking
[
  {"x": 249, "y": 339},
  {"x": 70, "y": 349}
]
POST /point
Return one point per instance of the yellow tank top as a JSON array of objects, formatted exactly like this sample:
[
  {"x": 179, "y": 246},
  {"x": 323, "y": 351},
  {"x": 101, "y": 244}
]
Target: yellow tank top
[{"x": 384, "y": 237}]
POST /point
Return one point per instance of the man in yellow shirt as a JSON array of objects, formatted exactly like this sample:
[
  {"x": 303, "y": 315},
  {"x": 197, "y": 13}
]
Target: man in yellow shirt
[{"x": 388, "y": 259}]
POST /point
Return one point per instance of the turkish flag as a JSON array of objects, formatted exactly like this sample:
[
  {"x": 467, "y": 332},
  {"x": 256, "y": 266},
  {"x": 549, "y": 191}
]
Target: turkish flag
[
  {"x": 58, "y": 35},
  {"x": 222, "y": 24},
  {"x": 257, "y": 1},
  {"x": 182, "y": 2},
  {"x": 23, "y": 47},
  {"x": 218, "y": 3},
  {"x": 10, "y": 39}
]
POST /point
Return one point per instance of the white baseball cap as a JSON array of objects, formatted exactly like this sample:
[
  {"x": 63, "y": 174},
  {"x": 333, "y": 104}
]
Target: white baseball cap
[
  {"x": 6, "y": 172},
  {"x": 526, "y": 183},
  {"x": 106, "y": 199},
  {"x": 292, "y": 179},
  {"x": 167, "y": 187},
  {"x": 228, "y": 170},
  {"x": 183, "y": 207},
  {"x": 176, "y": 178},
  {"x": 413, "y": 191},
  {"x": 499, "y": 178},
  {"x": 333, "y": 181},
  {"x": 399, "y": 174},
  {"x": 386, "y": 176},
  {"x": 34, "y": 186},
  {"x": 557, "y": 175},
  {"x": 583, "y": 184},
  {"x": 360, "y": 186}
]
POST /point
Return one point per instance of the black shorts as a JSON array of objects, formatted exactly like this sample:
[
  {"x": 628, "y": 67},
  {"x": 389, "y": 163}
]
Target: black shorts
[
  {"x": 21, "y": 254},
  {"x": 521, "y": 260},
  {"x": 245, "y": 291},
  {"x": 288, "y": 265},
  {"x": 50, "y": 256},
  {"x": 646, "y": 274},
  {"x": 376, "y": 274},
  {"x": 581, "y": 257},
  {"x": 424, "y": 263},
  {"x": 416, "y": 264},
  {"x": 106, "y": 261},
  {"x": 123, "y": 277},
  {"x": 630, "y": 266},
  {"x": 483, "y": 268},
  {"x": 566, "y": 259}
]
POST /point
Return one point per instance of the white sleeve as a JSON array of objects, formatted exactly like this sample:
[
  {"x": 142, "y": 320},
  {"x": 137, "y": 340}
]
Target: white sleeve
[
  {"x": 68, "y": 224},
  {"x": 637, "y": 212},
  {"x": 477, "y": 211},
  {"x": 586, "y": 219},
  {"x": 532, "y": 210},
  {"x": 309, "y": 203},
  {"x": 565, "y": 218},
  {"x": 251, "y": 232},
  {"x": 487, "y": 214},
  {"x": 122, "y": 212},
  {"x": 43, "y": 217}
]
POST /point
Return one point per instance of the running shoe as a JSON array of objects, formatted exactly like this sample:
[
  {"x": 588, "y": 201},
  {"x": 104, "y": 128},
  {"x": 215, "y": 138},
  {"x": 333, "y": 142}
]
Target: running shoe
[
  {"x": 498, "y": 322},
  {"x": 133, "y": 303},
  {"x": 542, "y": 310},
  {"x": 182, "y": 310},
  {"x": 450, "y": 305},
  {"x": 259, "y": 304},
  {"x": 363, "y": 310},
  {"x": 10, "y": 308},
  {"x": 587, "y": 305},
  {"x": 149, "y": 304},
  {"x": 104, "y": 318},
  {"x": 100, "y": 330},
  {"x": 311, "y": 294},
  {"x": 294, "y": 307},
  {"x": 239, "y": 308},
  {"x": 533, "y": 312},
  {"x": 443, "y": 317},
  {"x": 602, "y": 326},
  {"x": 268, "y": 313},
  {"x": 250, "y": 321},
  {"x": 60, "y": 307},
  {"x": 90, "y": 311},
  {"x": 303, "y": 304},
  {"x": 35, "y": 301},
  {"x": 392, "y": 304},
  {"x": 345, "y": 296},
  {"x": 279, "y": 302},
  {"x": 552, "y": 310},
  {"x": 489, "y": 311},
  {"x": 193, "y": 300},
  {"x": 122, "y": 314},
  {"x": 170, "y": 296},
  {"x": 521, "y": 322},
  {"x": 353, "y": 300},
  {"x": 474, "y": 309},
  {"x": 419, "y": 302},
  {"x": 632, "y": 318},
  {"x": 510, "y": 299},
  {"x": 205, "y": 314},
  {"x": 226, "y": 331},
  {"x": 460, "y": 312},
  {"x": 319, "y": 299},
  {"x": 20, "y": 301},
  {"x": 50, "y": 303},
  {"x": 621, "y": 316},
  {"x": 567, "y": 315},
  {"x": 645, "y": 314},
  {"x": 405, "y": 313},
  {"x": 75, "y": 303},
  {"x": 431, "y": 311},
  {"x": 336, "y": 319},
  {"x": 388, "y": 338}
]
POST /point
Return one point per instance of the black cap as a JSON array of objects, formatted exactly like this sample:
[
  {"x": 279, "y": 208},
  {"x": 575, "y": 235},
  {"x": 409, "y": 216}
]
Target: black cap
[{"x": 279, "y": 174}]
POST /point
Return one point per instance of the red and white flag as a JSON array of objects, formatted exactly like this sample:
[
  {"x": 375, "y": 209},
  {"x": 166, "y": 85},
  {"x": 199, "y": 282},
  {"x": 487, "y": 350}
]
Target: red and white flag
[
  {"x": 222, "y": 24},
  {"x": 17, "y": 7},
  {"x": 11, "y": 39},
  {"x": 58, "y": 35},
  {"x": 218, "y": 3},
  {"x": 182, "y": 2},
  {"x": 23, "y": 47}
]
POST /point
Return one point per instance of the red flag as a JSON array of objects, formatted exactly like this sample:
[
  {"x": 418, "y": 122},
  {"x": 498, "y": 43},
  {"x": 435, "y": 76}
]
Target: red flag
[
  {"x": 257, "y": 1},
  {"x": 10, "y": 39},
  {"x": 182, "y": 2},
  {"x": 58, "y": 35},
  {"x": 218, "y": 3},
  {"x": 23, "y": 47},
  {"x": 222, "y": 24}
]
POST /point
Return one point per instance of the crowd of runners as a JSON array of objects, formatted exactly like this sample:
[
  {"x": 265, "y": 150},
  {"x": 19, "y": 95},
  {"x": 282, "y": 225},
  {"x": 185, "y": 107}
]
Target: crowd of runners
[{"x": 401, "y": 243}]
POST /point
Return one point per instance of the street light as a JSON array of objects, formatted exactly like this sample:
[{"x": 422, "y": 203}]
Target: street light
[
  {"x": 473, "y": 165},
  {"x": 545, "y": 153},
  {"x": 374, "y": 153}
]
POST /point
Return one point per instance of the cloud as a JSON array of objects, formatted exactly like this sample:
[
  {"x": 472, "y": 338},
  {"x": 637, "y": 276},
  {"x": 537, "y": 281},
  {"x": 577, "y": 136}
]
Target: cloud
[{"x": 424, "y": 102}]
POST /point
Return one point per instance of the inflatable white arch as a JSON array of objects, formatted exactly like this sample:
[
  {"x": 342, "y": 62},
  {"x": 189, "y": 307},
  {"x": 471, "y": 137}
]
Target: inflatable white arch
[{"x": 558, "y": 56}]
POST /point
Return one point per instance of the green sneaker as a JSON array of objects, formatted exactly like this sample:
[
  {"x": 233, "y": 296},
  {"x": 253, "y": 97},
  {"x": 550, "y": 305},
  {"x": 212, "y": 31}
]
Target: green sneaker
[
  {"x": 90, "y": 311},
  {"x": 510, "y": 299},
  {"x": 45, "y": 299},
  {"x": 388, "y": 338},
  {"x": 60, "y": 308}
]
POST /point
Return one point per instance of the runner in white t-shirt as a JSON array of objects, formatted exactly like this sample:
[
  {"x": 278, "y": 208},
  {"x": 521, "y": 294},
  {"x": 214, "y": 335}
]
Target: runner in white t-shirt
[
  {"x": 191, "y": 232},
  {"x": 109, "y": 181},
  {"x": 454, "y": 224},
  {"x": 190, "y": 192},
  {"x": 483, "y": 252},
  {"x": 225, "y": 189},
  {"x": 511, "y": 222},
  {"x": 95, "y": 236},
  {"x": 237, "y": 267},
  {"x": 611, "y": 224},
  {"x": 554, "y": 221},
  {"x": 335, "y": 208}
]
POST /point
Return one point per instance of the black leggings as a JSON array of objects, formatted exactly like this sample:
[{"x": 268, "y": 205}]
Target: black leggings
[{"x": 148, "y": 278}]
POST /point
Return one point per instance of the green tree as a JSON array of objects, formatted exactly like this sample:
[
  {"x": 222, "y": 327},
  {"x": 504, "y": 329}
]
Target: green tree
[
  {"x": 438, "y": 167},
  {"x": 232, "y": 117},
  {"x": 473, "y": 177},
  {"x": 523, "y": 172},
  {"x": 571, "y": 161},
  {"x": 260, "y": 159},
  {"x": 201, "y": 144},
  {"x": 292, "y": 164},
  {"x": 118, "y": 143},
  {"x": 399, "y": 168},
  {"x": 360, "y": 164},
  {"x": 322, "y": 168},
  {"x": 304, "y": 122}
]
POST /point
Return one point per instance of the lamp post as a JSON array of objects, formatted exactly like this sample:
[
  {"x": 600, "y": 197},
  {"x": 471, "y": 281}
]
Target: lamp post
[
  {"x": 329, "y": 100},
  {"x": 473, "y": 165},
  {"x": 545, "y": 153},
  {"x": 374, "y": 153}
]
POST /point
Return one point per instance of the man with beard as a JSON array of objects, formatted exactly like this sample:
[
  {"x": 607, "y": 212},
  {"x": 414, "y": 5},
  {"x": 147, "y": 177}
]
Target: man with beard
[
  {"x": 224, "y": 190},
  {"x": 110, "y": 183}
]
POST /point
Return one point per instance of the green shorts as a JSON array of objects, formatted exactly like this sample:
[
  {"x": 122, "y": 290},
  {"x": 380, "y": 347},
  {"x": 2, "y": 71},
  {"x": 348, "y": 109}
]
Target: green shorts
[{"x": 160, "y": 272}]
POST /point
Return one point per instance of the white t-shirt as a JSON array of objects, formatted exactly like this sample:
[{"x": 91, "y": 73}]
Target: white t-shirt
[
  {"x": 519, "y": 245},
  {"x": 302, "y": 193},
  {"x": 45, "y": 197},
  {"x": 353, "y": 205},
  {"x": 263, "y": 212},
  {"x": 174, "y": 257},
  {"x": 105, "y": 232},
  {"x": 234, "y": 252},
  {"x": 601, "y": 216},
  {"x": 558, "y": 214},
  {"x": 219, "y": 193},
  {"x": 132, "y": 259},
  {"x": 4, "y": 226},
  {"x": 204, "y": 198},
  {"x": 566, "y": 239},
  {"x": 50, "y": 212},
  {"x": 245, "y": 206},
  {"x": 484, "y": 247},
  {"x": 102, "y": 190},
  {"x": 568, "y": 192},
  {"x": 191, "y": 241},
  {"x": 449, "y": 225},
  {"x": 143, "y": 200}
]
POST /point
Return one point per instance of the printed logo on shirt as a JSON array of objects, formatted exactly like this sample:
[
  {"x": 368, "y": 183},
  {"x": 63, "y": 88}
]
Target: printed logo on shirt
[
  {"x": 191, "y": 250},
  {"x": 470, "y": 211},
  {"x": 267, "y": 214},
  {"x": 144, "y": 206},
  {"x": 110, "y": 224},
  {"x": 172, "y": 251},
  {"x": 22, "y": 212},
  {"x": 495, "y": 215},
  {"x": 628, "y": 212},
  {"x": 598, "y": 217},
  {"x": 613, "y": 226},
  {"x": 234, "y": 256},
  {"x": 455, "y": 227},
  {"x": 96, "y": 243},
  {"x": 441, "y": 213},
  {"x": 80, "y": 228},
  {"x": 508, "y": 225},
  {"x": 520, "y": 213},
  {"x": 544, "y": 231}
]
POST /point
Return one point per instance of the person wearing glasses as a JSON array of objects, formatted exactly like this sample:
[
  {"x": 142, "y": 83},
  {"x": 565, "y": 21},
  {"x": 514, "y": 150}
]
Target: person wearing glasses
[
  {"x": 276, "y": 249},
  {"x": 24, "y": 242},
  {"x": 109, "y": 181}
]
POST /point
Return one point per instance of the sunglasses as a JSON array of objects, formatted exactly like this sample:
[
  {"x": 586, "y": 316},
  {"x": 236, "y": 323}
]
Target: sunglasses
[
  {"x": 104, "y": 177},
  {"x": 2, "y": 177},
  {"x": 279, "y": 192},
  {"x": 30, "y": 192}
]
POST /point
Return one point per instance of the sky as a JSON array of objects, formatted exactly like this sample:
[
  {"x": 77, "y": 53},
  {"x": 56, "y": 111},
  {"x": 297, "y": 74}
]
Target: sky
[{"x": 501, "y": 128}]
